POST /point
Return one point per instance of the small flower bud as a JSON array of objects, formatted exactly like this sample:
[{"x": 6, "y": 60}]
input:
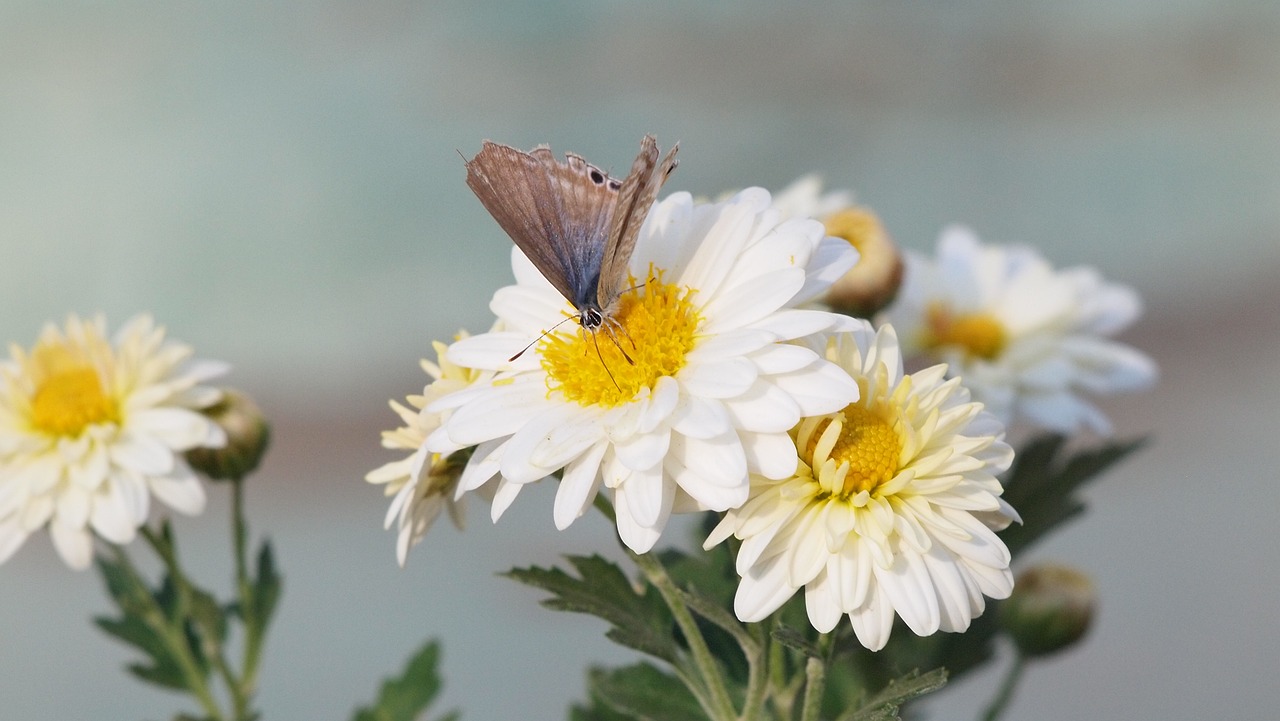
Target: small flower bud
[
  {"x": 873, "y": 282},
  {"x": 1050, "y": 609},
  {"x": 247, "y": 436}
]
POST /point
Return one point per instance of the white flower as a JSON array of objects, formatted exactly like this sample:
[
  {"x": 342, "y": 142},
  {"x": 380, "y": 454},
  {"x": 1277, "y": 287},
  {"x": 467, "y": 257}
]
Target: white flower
[
  {"x": 1026, "y": 339},
  {"x": 90, "y": 430},
  {"x": 804, "y": 199},
  {"x": 892, "y": 508},
  {"x": 707, "y": 389},
  {"x": 423, "y": 482}
]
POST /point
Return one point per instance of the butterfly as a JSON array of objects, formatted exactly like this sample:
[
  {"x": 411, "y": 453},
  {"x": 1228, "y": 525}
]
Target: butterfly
[{"x": 575, "y": 223}]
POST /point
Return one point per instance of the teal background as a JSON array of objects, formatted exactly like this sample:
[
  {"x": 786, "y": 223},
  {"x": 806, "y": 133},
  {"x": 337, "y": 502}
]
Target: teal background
[{"x": 281, "y": 186}]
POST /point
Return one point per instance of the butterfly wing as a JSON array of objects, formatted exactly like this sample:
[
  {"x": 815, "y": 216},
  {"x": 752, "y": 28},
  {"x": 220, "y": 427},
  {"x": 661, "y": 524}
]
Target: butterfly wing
[
  {"x": 635, "y": 198},
  {"x": 557, "y": 213}
]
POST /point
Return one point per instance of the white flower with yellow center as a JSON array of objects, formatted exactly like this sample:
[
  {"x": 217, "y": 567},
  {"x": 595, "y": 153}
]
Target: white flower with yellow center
[
  {"x": 423, "y": 483},
  {"x": 696, "y": 387},
  {"x": 893, "y": 506},
  {"x": 1026, "y": 339},
  {"x": 90, "y": 430}
]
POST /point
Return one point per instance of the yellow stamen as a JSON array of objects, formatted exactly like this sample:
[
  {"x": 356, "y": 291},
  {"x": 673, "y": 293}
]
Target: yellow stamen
[
  {"x": 656, "y": 329},
  {"x": 857, "y": 445},
  {"x": 69, "y": 400},
  {"x": 980, "y": 334}
]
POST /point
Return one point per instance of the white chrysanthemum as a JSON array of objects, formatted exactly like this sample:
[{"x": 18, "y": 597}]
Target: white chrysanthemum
[
  {"x": 1026, "y": 339},
  {"x": 90, "y": 430},
  {"x": 706, "y": 391},
  {"x": 893, "y": 507},
  {"x": 423, "y": 483}
]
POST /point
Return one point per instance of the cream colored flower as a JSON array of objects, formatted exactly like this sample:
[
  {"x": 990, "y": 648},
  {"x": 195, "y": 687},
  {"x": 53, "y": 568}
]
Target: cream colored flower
[
  {"x": 893, "y": 506},
  {"x": 90, "y": 430},
  {"x": 424, "y": 483},
  {"x": 1028, "y": 340},
  {"x": 708, "y": 386}
]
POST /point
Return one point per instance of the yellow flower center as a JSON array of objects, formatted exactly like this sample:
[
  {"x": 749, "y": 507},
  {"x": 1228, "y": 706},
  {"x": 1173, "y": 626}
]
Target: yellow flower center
[
  {"x": 980, "y": 334},
  {"x": 648, "y": 337},
  {"x": 71, "y": 399},
  {"x": 850, "y": 452}
]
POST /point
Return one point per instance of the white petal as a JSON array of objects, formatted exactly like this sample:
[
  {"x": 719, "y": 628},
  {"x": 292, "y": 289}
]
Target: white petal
[
  {"x": 718, "y": 379},
  {"x": 833, "y": 258},
  {"x": 180, "y": 491},
  {"x": 764, "y": 408},
  {"x": 112, "y": 518},
  {"x": 578, "y": 487},
  {"x": 821, "y": 388},
  {"x": 772, "y": 455},
  {"x": 501, "y": 411},
  {"x": 698, "y": 417},
  {"x": 649, "y": 494},
  {"x": 74, "y": 545},
  {"x": 177, "y": 428},
  {"x": 141, "y": 454},
  {"x": 761, "y": 592},
  {"x": 820, "y": 603},
  {"x": 792, "y": 324},
  {"x": 662, "y": 402},
  {"x": 752, "y": 301},
  {"x": 11, "y": 537}
]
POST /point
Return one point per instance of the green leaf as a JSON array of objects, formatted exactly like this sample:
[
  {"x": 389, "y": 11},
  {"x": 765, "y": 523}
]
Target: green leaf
[
  {"x": 639, "y": 618},
  {"x": 166, "y": 675},
  {"x": 640, "y": 691},
  {"x": 208, "y": 617},
  {"x": 1044, "y": 480},
  {"x": 795, "y": 640},
  {"x": 884, "y": 705},
  {"x": 406, "y": 697},
  {"x": 140, "y": 627}
]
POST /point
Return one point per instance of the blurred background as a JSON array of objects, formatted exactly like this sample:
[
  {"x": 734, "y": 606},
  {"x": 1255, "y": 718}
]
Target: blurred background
[{"x": 280, "y": 185}]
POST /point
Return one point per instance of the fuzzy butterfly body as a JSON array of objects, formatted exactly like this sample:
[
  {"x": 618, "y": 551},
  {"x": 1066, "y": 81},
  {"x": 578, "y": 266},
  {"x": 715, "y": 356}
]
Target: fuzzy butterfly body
[{"x": 577, "y": 225}]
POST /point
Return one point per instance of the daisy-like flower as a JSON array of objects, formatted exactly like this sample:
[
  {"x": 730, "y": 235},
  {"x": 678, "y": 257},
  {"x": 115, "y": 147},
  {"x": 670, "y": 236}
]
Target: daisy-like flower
[
  {"x": 696, "y": 387},
  {"x": 893, "y": 506},
  {"x": 90, "y": 430},
  {"x": 1026, "y": 339},
  {"x": 423, "y": 483}
]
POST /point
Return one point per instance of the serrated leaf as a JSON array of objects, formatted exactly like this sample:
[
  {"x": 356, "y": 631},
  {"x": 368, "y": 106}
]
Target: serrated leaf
[
  {"x": 640, "y": 620},
  {"x": 405, "y": 697},
  {"x": 642, "y": 691},
  {"x": 884, "y": 706},
  {"x": 1042, "y": 484},
  {"x": 794, "y": 640}
]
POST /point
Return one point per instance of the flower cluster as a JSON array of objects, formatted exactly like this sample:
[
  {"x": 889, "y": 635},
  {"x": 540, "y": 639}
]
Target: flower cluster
[
  {"x": 725, "y": 387},
  {"x": 91, "y": 429}
]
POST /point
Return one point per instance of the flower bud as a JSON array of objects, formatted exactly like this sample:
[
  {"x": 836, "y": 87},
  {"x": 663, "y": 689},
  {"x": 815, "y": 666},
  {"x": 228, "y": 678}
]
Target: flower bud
[
  {"x": 1050, "y": 609},
  {"x": 247, "y": 436},
  {"x": 873, "y": 282}
]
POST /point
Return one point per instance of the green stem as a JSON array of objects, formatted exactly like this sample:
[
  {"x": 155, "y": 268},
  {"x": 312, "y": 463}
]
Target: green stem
[
  {"x": 1005, "y": 694},
  {"x": 172, "y": 632},
  {"x": 757, "y": 679},
  {"x": 815, "y": 672},
  {"x": 244, "y": 590},
  {"x": 702, "y": 658}
]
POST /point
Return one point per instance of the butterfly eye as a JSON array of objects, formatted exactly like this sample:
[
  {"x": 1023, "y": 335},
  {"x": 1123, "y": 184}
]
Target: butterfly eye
[
  {"x": 597, "y": 177},
  {"x": 614, "y": 184}
]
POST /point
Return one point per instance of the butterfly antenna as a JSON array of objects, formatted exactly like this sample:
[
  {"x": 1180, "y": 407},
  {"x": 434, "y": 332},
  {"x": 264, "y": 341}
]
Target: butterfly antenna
[
  {"x": 596, "y": 341},
  {"x": 608, "y": 326},
  {"x": 535, "y": 340}
]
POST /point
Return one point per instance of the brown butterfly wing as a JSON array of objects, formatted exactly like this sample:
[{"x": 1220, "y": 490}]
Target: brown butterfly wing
[
  {"x": 635, "y": 198},
  {"x": 557, "y": 213}
]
